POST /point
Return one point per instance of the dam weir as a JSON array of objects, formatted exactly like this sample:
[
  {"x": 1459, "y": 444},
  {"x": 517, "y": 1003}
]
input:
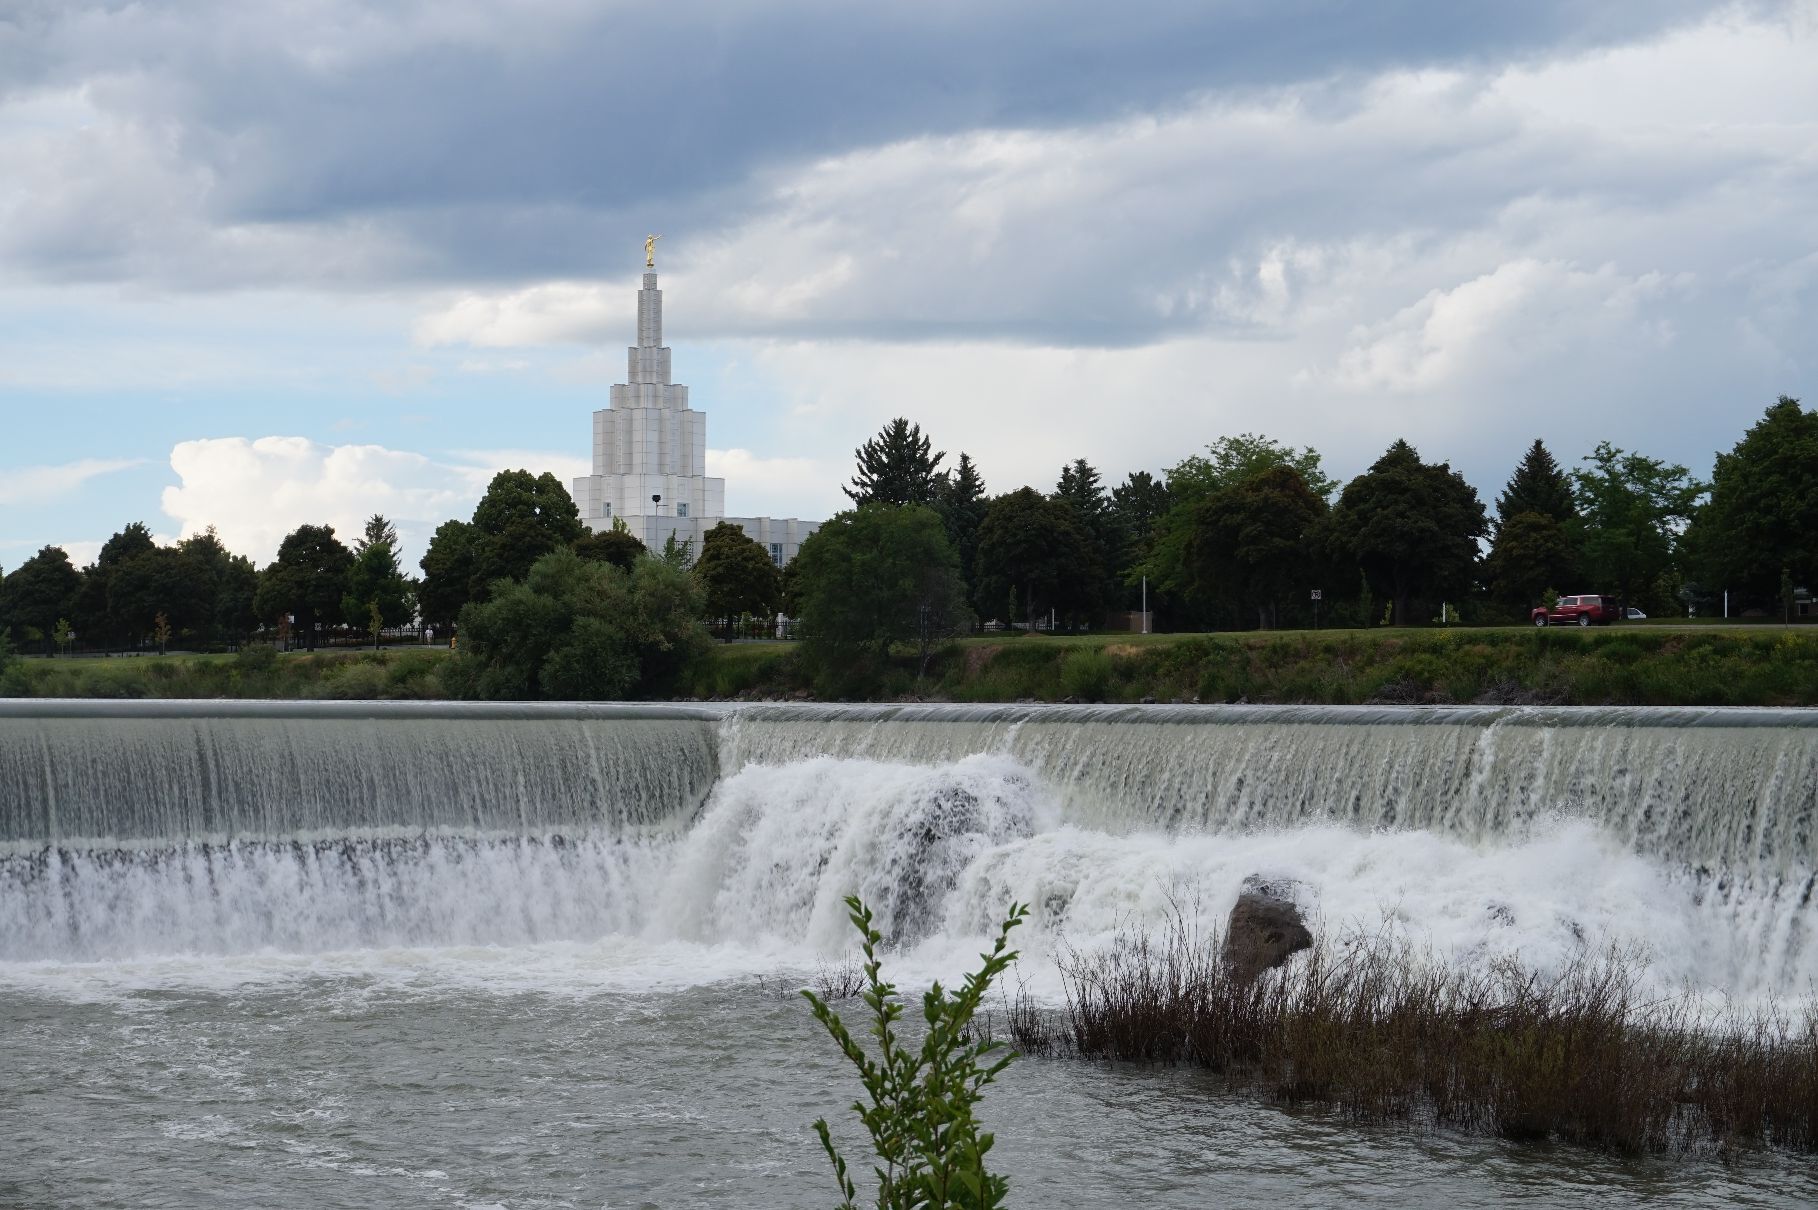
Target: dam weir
[{"x": 129, "y": 828}]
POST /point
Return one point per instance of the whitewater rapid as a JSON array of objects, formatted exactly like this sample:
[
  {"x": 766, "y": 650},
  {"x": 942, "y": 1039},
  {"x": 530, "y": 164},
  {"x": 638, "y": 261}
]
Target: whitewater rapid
[{"x": 665, "y": 845}]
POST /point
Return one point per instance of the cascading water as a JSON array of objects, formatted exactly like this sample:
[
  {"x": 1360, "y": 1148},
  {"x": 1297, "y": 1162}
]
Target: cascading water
[{"x": 137, "y": 829}]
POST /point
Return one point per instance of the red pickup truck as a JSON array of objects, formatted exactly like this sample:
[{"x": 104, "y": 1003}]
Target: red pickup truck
[{"x": 1577, "y": 611}]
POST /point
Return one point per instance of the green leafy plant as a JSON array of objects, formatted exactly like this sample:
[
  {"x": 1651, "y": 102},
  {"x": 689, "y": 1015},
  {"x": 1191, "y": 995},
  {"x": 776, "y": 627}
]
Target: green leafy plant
[{"x": 930, "y": 1150}]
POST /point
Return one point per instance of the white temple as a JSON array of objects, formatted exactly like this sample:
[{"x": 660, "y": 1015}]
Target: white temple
[{"x": 650, "y": 456}]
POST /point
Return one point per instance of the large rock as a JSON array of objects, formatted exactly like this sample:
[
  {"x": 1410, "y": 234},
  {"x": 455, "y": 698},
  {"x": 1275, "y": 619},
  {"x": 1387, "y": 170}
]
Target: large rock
[{"x": 1266, "y": 927}]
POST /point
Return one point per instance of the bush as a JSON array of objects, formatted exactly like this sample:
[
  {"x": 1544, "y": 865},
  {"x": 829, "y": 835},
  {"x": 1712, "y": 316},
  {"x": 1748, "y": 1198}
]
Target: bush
[
  {"x": 1086, "y": 674},
  {"x": 256, "y": 658},
  {"x": 578, "y": 629},
  {"x": 930, "y": 1150}
]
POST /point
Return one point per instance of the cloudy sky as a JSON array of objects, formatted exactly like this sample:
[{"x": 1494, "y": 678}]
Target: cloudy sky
[{"x": 262, "y": 264}]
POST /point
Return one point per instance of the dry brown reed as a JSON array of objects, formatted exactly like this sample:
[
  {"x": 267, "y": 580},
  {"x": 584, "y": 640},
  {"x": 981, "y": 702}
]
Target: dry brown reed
[{"x": 1377, "y": 1030}]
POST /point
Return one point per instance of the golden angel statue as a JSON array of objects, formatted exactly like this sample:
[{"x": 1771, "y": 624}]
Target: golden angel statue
[{"x": 650, "y": 250}]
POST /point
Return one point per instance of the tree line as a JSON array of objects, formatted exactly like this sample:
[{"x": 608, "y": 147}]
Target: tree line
[
  {"x": 1239, "y": 535},
  {"x": 1243, "y": 534}
]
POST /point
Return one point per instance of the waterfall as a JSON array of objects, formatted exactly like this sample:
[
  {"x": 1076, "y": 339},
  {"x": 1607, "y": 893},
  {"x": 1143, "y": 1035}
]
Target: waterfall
[{"x": 146, "y": 828}]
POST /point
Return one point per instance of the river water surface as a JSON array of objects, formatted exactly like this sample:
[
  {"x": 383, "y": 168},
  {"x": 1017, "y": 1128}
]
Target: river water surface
[{"x": 383, "y": 955}]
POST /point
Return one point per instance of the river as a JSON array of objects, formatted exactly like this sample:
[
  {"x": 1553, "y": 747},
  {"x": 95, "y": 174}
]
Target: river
[{"x": 312, "y": 954}]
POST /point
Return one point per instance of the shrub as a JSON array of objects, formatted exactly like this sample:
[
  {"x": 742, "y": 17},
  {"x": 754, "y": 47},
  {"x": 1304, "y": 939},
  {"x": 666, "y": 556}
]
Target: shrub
[
  {"x": 930, "y": 1150},
  {"x": 1086, "y": 674}
]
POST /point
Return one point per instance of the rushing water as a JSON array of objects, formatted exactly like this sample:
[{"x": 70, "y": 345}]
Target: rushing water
[{"x": 359, "y": 954}]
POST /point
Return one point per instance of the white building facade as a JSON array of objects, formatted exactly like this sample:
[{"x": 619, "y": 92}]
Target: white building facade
[{"x": 650, "y": 457}]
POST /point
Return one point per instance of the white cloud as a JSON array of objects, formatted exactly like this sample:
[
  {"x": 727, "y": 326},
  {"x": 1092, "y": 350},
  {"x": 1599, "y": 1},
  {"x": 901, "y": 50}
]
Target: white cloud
[
  {"x": 777, "y": 487},
  {"x": 37, "y": 484},
  {"x": 256, "y": 490}
]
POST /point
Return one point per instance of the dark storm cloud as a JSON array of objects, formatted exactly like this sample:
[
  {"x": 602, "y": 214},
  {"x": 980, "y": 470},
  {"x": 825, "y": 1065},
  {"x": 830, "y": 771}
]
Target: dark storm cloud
[{"x": 463, "y": 142}]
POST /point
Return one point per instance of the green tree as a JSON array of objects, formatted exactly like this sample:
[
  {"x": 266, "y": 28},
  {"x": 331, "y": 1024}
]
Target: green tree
[
  {"x": 1081, "y": 490},
  {"x": 924, "y": 1131},
  {"x": 1138, "y": 503},
  {"x": 962, "y": 507},
  {"x": 1534, "y": 546},
  {"x": 875, "y": 576},
  {"x": 93, "y": 619},
  {"x": 521, "y": 518},
  {"x": 160, "y": 581},
  {"x": 1538, "y": 486},
  {"x": 736, "y": 575},
  {"x": 1034, "y": 547},
  {"x": 896, "y": 467},
  {"x": 677, "y": 554},
  {"x": 1167, "y": 562},
  {"x": 1231, "y": 460},
  {"x": 617, "y": 546},
  {"x": 1634, "y": 510},
  {"x": 375, "y": 580},
  {"x": 1413, "y": 528},
  {"x": 1532, "y": 553},
  {"x": 448, "y": 572},
  {"x": 1763, "y": 511},
  {"x": 38, "y": 592},
  {"x": 577, "y": 629},
  {"x": 307, "y": 580},
  {"x": 230, "y": 584},
  {"x": 1253, "y": 542}
]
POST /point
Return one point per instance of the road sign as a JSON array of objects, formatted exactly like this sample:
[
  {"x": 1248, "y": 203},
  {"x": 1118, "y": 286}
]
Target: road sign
[{"x": 1318, "y": 595}]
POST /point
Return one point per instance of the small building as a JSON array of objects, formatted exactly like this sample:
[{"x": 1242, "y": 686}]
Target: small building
[{"x": 650, "y": 456}]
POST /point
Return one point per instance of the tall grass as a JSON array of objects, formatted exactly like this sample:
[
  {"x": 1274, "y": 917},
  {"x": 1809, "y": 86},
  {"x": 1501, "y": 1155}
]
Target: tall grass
[{"x": 1376, "y": 1030}]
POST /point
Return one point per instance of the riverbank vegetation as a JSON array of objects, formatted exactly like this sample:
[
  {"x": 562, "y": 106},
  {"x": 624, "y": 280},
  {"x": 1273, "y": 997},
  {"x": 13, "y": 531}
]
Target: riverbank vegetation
[
  {"x": 1377, "y": 1031},
  {"x": 1639, "y": 666}
]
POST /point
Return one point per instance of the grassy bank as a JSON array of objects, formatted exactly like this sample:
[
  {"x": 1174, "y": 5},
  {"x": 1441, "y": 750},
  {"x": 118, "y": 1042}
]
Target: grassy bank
[
  {"x": 1631, "y": 666},
  {"x": 259, "y": 672},
  {"x": 1625, "y": 666}
]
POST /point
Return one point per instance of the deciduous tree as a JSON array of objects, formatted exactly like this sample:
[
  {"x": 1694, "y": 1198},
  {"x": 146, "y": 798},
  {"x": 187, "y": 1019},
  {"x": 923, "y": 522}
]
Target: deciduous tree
[
  {"x": 1413, "y": 528},
  {"x": 1033, "y": 548},
  {"x": 737, "y": 575},
  {"x": 875, "y": 576},
  {"x": 1252, "y": 542},
  {"x": 38, "y": 592},
  {"x": 448, "y": 573},
  {"x": 1634, "y": 510},
  {"x": 521, "y": 518},
  {"x": 1763, "y": 511},
  {"x": 581, "y": 629},
  {"x": 618, "y": 546},
  {"x": 307, "y": 580}
]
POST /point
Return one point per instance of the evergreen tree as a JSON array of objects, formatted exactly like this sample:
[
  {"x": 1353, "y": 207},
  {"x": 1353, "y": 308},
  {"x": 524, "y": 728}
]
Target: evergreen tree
[
  {"x": 1138, "y": 503},
  {"x": 1538, "y": 486},
  {"x": 375, "y": 581},
  {"x": 896, "y": 467},
  {"x": 962, "y": 509},
  {"x": 736, "y": 575},
  {"x": 1537, "y": 529},
  {"x": 307, "y": 580},
  {"x": 1413, "y": 528}
]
